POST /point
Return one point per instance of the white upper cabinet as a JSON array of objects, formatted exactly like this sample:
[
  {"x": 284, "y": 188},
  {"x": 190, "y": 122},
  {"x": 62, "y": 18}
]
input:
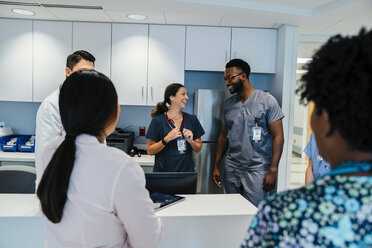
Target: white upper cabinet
[
  {"x": 140, "y": 59},
  {"x": 52, "y": 45},
  {"x": 15, "y": 60},
  {"x": 207, "y": 48},
  {"x": 129, "y": 62},
  {"x": 166, "y": 60},
  {"x": 256, "y": 46},
  {"x": 94, "y": 38}
]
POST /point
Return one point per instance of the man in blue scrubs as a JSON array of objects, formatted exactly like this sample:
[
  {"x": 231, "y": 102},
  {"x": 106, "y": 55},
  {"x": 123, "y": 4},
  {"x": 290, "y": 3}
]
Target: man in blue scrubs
[
  {"x": 253, "y": 133},
  {"x": 317, "y": 165}
]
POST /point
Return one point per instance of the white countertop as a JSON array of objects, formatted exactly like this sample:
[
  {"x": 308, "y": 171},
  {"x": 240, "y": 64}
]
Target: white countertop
[
  {"x": 26, "y": 205},
  {"x": 210, "y": 205},
  {"x": 19, "y": 205},
  {"x": 17, "y": 156},
  {"x": 145, "y": 160},
  {"x": 200, "y": 221}
]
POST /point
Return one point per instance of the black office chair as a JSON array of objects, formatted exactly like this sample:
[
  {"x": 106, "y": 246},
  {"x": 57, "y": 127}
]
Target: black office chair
[{"x": 17, "y": 179}]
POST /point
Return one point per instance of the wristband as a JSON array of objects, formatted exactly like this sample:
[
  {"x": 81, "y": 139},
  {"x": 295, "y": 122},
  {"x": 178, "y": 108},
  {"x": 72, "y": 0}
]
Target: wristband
[{"x": 163, "y": 141}]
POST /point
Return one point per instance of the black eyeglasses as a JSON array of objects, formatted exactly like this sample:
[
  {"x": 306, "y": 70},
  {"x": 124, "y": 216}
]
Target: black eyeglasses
[{"x": 230, "y": 77}]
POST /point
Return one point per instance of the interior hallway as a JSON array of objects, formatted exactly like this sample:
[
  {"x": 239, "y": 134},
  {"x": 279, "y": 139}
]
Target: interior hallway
[{"x": 298, "y": 169}]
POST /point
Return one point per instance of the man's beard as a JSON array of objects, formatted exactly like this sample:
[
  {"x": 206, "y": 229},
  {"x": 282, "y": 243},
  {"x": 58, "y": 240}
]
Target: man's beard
[{"x": 237, "y": 87}]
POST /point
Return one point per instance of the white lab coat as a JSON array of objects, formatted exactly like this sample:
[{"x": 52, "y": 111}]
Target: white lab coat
[
  {"x": 48, "y": 126},
  {"x": 107, "y": 203}
]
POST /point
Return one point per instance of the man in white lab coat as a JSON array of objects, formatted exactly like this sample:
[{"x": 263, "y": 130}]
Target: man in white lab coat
[{"x": 48, "y": 119}]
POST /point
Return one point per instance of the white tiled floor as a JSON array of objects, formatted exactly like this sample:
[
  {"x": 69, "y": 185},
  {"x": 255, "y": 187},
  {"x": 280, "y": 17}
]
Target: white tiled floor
[{"x": 298, "y": 169}]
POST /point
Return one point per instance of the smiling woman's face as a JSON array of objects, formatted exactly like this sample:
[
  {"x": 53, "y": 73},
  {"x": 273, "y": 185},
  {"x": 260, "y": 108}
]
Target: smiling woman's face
[{"x": 181, "y": 98}]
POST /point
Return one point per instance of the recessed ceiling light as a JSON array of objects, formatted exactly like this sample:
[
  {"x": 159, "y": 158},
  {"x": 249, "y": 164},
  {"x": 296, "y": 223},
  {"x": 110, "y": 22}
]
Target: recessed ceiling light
[
  {"x": 23, "y": 12},
  {"x": 137, "y": 17}
]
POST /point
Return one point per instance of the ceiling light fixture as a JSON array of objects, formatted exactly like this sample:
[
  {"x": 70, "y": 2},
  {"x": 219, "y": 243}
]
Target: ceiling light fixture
[
  {"x": 66, "y": 6},
  {"x": 23, "y": 12},
  {"x": 18, "y": 3},
  {"x": 137, "y": 17}
]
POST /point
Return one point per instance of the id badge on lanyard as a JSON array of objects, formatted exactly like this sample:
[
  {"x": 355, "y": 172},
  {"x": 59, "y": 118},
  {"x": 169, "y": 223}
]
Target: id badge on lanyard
[
  {"x": 181, "y": 142},
  {"x": 256, "y": 132},
  {"x": 181, "y": 145}
]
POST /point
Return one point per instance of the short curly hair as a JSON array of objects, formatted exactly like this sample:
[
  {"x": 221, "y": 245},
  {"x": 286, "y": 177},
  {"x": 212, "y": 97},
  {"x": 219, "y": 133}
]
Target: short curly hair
[
  {"x": 241, "y": 64},
  {"x": 339, "y": 81}
]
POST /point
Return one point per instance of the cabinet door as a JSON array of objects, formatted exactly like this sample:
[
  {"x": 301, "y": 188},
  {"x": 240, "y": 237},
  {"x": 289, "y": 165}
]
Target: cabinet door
[
  {"x": 15, "y": 60},
  {"x": 129, "y": 62},
  {"x": 52, "y": 45},
  {"x": 166, "y": 60},
  {"x": 207, "y": 48},
  {"x": 257, "y": 47},
  {"x": 94, "y": 38}
]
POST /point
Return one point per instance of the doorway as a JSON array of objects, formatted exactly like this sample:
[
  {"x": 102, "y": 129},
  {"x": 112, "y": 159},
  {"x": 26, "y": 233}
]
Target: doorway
[{"x": 301, "y": 122}]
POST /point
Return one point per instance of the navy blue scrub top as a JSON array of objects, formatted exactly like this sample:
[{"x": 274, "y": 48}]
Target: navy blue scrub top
[{"x": 170, "y": 159}]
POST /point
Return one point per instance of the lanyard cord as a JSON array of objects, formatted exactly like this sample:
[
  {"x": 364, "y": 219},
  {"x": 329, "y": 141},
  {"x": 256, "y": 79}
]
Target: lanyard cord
[
  {"x": 183, "y": 117},
  {"x": 350, "y": 167}
]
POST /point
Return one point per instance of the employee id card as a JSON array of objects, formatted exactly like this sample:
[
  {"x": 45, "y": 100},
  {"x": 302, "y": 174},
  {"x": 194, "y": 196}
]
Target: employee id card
[
  {"x": 256, "y": 133},
  {"x": 181, "y": 145}
]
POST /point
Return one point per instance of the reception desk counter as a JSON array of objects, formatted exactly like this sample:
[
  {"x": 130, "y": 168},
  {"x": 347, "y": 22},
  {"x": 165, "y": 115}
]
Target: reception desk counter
[{"x": 198, "y": 221}]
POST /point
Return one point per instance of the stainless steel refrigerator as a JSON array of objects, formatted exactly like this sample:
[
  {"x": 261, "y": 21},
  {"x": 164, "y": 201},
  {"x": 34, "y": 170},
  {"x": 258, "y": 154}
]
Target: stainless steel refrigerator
[{"x": 208, "y": 107}]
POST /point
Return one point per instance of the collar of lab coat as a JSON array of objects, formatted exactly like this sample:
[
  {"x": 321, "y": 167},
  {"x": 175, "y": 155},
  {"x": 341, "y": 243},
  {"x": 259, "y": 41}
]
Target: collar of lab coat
[{"x": 87, "y": 139}]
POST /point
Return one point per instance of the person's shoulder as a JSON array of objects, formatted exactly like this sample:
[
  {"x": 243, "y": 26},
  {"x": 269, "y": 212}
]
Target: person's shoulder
[
  {"x": 311, "y": 192},
  {"x": 117, "y": 164},
  {"x": 50, "y": 147},
  {"x": 52, "y": 97},
  {"x": 156, "y": 121},
  {"x": 232, "y": 98},
  {"x": 231, "y": 101},
  {"x": 267, "y": 99},
  {"x": 312, "y": 138},
  {"x": 51, "y": 101},
  {"x": 190, "y": 116},
  {"x": 119, "y": 158},
  {"x": 159, "y": 117},
  {"x": 116, "y": 153},
  {"x": 264, "y": 95}
]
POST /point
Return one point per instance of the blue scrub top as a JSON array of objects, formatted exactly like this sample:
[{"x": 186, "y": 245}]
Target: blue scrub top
[
  {"x": 170, "y": 159},
  {"x": 239, "y": 118},
  {"x": 320, "y": 166}
]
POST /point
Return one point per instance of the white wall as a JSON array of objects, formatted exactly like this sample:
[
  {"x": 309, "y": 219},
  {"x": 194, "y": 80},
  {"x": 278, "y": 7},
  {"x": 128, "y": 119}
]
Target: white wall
[
  {"x": 299, "y": 124},
  {"x": 282, "y": 87}
]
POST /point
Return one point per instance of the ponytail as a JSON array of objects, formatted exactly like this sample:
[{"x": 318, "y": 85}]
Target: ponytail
[
  {"x": 87, "y": 104},
  {"x": 53, "y": 187},
  {"x": 160, "y": 108}
]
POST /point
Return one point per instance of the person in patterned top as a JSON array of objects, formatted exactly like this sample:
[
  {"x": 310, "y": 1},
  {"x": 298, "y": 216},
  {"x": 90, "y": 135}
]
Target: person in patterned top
[{"x": 336, "y": 209}]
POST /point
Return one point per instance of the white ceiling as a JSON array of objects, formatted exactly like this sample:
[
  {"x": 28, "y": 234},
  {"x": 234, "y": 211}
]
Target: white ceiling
[{"x": 314, "y": 17}]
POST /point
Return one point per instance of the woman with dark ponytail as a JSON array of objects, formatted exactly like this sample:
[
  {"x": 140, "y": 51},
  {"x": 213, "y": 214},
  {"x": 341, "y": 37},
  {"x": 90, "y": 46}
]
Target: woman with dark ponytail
[
  {"x": 173, "y": 134},
  {"x": 93, "y": 195}
]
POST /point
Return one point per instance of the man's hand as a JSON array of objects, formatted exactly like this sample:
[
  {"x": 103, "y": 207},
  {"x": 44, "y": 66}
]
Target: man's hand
[
  {"x": 269, "y": 181},
  {"x": 216, "y": 177}
]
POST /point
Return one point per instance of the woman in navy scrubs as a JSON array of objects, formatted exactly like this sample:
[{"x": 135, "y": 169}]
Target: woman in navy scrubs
[{"x": 173, "y": 134}]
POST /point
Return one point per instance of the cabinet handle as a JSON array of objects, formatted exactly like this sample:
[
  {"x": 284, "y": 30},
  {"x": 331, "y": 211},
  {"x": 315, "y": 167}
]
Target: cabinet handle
[
  {"x": 152, "y": 94},
  {"x": 235, "y": 54},
  {"x": 225, "y": 55},
  {"x": 142, "y": 92}
]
